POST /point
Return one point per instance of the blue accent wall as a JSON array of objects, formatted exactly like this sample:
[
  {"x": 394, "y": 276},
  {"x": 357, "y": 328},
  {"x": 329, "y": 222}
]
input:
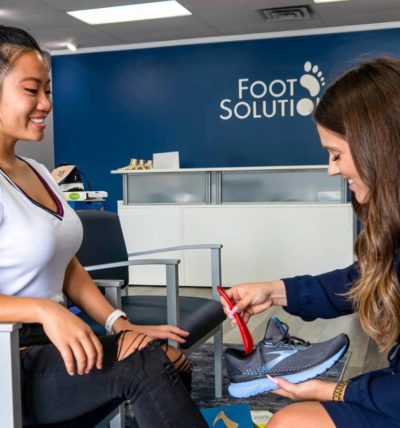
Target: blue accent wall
[{"x": 113, "y": 106}]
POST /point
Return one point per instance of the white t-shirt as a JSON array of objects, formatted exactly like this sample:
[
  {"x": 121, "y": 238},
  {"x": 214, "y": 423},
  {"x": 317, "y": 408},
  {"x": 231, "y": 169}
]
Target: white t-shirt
[{"x": 36, "y": 244}]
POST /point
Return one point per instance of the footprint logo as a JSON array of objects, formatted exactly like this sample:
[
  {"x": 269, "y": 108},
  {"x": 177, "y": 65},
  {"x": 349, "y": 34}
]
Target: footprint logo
[{"x": 312, "y": 80}]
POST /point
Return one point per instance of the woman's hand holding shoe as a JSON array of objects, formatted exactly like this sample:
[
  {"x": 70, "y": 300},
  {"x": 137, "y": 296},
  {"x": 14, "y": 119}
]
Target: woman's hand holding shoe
[{"x": 310, "y": 390}]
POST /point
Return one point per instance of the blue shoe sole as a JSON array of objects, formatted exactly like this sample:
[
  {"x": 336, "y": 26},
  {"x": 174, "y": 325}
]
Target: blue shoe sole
[{"x": 258, "y": 386}]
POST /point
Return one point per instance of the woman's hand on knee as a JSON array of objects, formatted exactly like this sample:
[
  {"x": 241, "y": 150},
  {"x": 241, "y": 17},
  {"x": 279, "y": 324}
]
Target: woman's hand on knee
[
  {"x": 163, "y": 332},
  {"x": 311, "y": 390},
  {"x": 80, "y": 348},
  {"x": 154, "y": 331}
]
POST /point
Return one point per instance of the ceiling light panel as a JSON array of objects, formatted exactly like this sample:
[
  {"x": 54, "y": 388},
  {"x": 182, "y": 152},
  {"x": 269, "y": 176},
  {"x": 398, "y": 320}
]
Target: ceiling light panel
[
  {"x": 328, "y": 1},
  {"x": 134, "y": 12},
  {"x": 71, "y": 46}
]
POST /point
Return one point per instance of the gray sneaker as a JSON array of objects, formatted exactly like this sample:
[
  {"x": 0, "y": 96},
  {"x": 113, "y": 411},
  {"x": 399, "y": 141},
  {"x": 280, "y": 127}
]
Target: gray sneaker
[{"x": 280, "y": 355}]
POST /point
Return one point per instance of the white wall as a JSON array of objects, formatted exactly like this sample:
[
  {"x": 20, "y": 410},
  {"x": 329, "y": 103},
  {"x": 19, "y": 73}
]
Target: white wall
[{"x": 260, "y": 242}]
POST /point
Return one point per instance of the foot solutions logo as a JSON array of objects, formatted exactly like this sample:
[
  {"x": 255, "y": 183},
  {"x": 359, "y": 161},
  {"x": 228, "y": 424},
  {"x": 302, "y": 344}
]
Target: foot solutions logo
[{"x": 259, "y": 99}]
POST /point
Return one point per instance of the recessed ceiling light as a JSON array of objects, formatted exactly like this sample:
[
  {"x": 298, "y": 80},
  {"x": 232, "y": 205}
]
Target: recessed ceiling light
[
  {"x": 134, "y": 12},
  {"x": 71, "y": 46},
  {"x": 327, "y": 1}
]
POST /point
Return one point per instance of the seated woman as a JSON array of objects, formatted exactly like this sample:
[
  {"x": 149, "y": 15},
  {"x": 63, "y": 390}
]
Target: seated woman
[{"x": 70, "y": 377}]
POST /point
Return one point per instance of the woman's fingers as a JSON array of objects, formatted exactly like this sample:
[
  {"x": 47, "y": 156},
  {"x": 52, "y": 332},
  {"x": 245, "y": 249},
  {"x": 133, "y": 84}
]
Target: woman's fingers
[
  {"x": 314, "y": 389},
  {"x": 161, "y": 332},
  {"x": 175, "y": 337},
  {"x": 80, "y": 356},
  {"x": 167, "y": 332},
  {"x": 100, "y": 352},
  {"x": 80, "y": 348},
  {"x": 175, "y": 330},
  {"x": 285, "y": 389},
  {"x": 246, "y": 316},
  {"x": 248, "y": 299},
  {"x": 81, "y": 352},
  {"x": 93, "y": 352},
  {"x": 68, "y": 358}
]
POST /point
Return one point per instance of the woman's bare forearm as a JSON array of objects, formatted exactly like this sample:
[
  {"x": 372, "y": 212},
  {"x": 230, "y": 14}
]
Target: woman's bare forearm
[
  {"x": 24, "y": 309},
  {"x": 80, "y": 288}
]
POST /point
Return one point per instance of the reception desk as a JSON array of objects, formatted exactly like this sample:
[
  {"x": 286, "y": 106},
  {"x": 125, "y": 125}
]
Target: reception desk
[{"x": 273, "y": 222}]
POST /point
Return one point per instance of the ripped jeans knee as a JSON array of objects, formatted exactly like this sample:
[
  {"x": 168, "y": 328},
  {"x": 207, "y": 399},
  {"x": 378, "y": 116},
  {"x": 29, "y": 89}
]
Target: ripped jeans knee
[
  {"x": 129, "y": 342},
  {"x": 181, "y": 363}
]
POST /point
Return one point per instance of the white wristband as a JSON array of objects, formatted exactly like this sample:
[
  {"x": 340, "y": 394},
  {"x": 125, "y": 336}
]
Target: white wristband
[{"x": 112, "y": 318}]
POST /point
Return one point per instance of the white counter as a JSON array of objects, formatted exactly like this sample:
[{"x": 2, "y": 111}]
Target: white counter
[{"x": 261, "y": 242}]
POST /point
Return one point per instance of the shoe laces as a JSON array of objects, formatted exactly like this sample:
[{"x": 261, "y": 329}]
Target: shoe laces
[
  {"x": 294, "y": 341},
  {"x": 287, "y": 339}
]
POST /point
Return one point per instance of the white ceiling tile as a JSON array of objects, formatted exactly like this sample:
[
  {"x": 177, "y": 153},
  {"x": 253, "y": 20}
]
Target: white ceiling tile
[{"x": 47, "y": 20}]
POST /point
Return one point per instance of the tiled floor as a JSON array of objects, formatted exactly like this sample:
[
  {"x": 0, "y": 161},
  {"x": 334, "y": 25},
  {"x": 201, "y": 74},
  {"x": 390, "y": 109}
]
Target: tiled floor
[{"x": 365, "y": 356}]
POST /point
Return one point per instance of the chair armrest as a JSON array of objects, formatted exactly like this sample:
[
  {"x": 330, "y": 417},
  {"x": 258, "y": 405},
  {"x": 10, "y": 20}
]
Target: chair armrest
[
  {"x": 109, "y": 283},
  {"x": 113, "y": 287},
  {"x": 133, "y": 263},
  {"x": 156, "y": 262},
  {"x": 10, "y": 391},
  {"x": 112, "y": 290},
  {"x": 9, "y": 327},
  {"x": 215, "y": 260},
  {"x": 178, "y": 248}
]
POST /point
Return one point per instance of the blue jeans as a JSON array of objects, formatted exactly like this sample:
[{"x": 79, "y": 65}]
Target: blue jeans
[{"x": 147, "y": 378}]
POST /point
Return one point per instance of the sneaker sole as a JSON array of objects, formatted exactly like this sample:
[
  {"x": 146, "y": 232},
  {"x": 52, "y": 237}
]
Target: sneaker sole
[{"x": 258, "y": 386}]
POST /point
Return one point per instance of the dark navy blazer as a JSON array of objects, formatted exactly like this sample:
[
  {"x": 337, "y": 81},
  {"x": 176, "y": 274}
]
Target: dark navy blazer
[{"x": 322, "y": 296}]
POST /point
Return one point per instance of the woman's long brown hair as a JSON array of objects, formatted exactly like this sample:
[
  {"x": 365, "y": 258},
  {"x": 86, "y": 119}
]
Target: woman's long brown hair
[{"x": 363, "y": 106}]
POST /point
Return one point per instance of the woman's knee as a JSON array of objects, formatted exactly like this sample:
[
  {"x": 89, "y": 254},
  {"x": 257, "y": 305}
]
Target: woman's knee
[
  {"x": 301, "y": 415},
  {"x": 129, "y": 342},
  {"x": 181, "y": 364},
  {"x": 280, "y": 419},
  {"x": 177, "y": 358}
]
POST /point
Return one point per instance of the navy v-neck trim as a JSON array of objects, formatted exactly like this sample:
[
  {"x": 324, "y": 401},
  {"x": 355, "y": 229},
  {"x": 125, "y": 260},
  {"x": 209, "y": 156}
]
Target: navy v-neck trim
[{"x": 60, "y": 209}]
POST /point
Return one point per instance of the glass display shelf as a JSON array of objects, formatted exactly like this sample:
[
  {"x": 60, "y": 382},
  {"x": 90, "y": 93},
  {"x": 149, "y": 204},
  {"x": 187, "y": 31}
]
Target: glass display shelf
[{"x": 222, "y": 186}]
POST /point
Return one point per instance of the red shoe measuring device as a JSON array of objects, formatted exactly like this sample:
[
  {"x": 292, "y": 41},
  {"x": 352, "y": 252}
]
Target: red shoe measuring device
[{"x": 247, "y": 338}]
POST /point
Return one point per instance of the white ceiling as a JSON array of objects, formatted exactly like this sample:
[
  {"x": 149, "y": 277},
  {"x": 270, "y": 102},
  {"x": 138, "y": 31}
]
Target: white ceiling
[{"x": 48, "y": 22}]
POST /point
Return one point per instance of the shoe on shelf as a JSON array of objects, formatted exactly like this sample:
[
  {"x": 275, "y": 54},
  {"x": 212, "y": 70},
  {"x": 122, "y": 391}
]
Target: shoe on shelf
[{"x": 280, "y": 355}]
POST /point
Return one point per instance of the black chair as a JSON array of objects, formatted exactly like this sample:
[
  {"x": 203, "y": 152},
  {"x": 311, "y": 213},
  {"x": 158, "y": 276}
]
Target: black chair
[{"x": 104, "y": 255}]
